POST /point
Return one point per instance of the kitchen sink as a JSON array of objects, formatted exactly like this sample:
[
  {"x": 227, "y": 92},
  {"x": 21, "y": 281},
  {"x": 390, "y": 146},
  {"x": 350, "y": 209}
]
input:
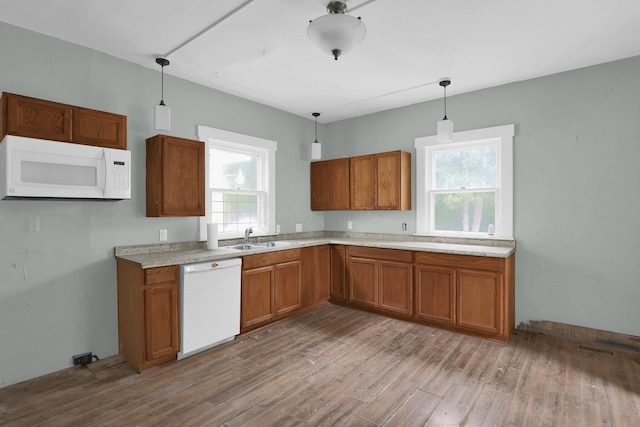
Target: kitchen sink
[
  {"x": 262, "y": 245},
  {"x": 246, "y": 247},
  {"x": 273, "y": 244}
]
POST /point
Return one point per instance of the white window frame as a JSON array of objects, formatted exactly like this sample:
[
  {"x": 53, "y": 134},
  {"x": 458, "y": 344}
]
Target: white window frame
[
  {"x": 213, "y": 137},
  {"x": 502, "y": 137}
]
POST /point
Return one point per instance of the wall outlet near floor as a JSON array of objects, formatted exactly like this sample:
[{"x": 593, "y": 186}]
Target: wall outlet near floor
[
  {"x": 349, "y": 225},
  {"x": 298, "y": 228},
  {"x": 277, "y": 228},
  {"x": 82, "y": 359},
  {"x": 404, "y": 226},
  {"x": 163, "y": 234}
]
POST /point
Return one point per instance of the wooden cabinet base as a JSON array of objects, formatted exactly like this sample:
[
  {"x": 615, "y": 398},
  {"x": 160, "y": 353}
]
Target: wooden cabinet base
[
  {"x": 473, "y": 295},
  {"x": 148, "y": 314}
]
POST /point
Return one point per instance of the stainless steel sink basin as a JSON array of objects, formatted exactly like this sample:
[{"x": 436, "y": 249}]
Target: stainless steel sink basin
[
  {"x": 273, "y": 244},
  {"x": 246, "y": 247},
  {"x": 262, "y": 245}
]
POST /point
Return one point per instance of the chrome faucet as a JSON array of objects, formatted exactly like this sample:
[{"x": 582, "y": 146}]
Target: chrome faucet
[{"x": 248, "y": 231}]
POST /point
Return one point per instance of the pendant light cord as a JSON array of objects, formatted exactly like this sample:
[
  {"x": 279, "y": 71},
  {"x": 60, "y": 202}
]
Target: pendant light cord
[
  {"x": 445, "y": 103},
  {"x": 162, "y": 88},
  {"x": 162, "y": 62},
  {"x": 316, "y": 116},
  {"x": 444, "y": 83}
]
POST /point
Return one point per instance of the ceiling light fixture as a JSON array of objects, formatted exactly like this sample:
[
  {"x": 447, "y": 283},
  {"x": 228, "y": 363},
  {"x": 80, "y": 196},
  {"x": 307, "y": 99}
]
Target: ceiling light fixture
[
  {"x": 336, "y": 32},
  {"x": 162, "y": 116},
  {"x": 445, "y": 126},
  {"x": 316, "y": 147}
]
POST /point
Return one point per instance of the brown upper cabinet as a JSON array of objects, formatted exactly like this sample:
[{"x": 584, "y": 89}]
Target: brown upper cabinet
[
  {"x": 381, "y": 181},
  {"x": 330, "y": 185},
  {"x": 175, "y": 177},
  {"x": 37, "y": 118},
  {"x": 373, "y": 182}
]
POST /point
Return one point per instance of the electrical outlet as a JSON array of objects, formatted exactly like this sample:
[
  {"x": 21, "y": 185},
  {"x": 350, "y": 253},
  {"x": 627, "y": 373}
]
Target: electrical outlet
[
  {"x": 404, "y": 226},
  {"x": 163, "y": 234},
  {"x": 349, "y": 225},
  {"x": 82, "y": 359},
  {"x": 298, "y": 228},
  {"x": 277, "y": 228}
]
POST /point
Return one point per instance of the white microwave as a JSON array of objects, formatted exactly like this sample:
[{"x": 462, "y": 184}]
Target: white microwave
[{"x": 36, "y": 168}]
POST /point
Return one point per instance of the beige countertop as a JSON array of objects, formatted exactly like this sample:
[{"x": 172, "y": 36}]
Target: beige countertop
[{"x": 149, "y": 256}]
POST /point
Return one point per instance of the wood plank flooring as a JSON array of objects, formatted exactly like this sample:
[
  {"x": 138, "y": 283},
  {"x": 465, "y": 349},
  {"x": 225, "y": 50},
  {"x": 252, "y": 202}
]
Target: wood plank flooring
[{"x": 339, "y": 366}]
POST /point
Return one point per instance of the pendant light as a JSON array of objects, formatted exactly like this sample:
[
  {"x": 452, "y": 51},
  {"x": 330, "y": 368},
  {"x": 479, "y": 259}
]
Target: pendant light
[
  {"x": 445, "y": 126},
  {"x": 316, "y": 147},
  {"x": 162, "y": 116},
  {"x": 337, "y": 32}
]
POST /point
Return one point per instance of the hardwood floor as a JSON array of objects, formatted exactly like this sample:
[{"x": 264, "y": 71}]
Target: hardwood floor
[{"x": 339, "y": 366}]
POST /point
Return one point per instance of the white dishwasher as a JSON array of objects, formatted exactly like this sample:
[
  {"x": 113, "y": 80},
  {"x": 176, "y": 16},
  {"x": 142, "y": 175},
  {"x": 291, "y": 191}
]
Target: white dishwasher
[{"x": 209, "y": 304}]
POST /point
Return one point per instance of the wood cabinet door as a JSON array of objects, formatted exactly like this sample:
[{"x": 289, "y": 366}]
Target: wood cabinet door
[
  {"x": 35, "y": 118},
  {"x": 338, "y": 272},
  {"x": 363, "y": 281},
  {"x": 339, "y": 184},
  {"x": 175, "y": 177},
  {"x": 330, "y": 185},
  {"x": 161, "y": 320},
  {"x": 436, "y": 293},
  {"x": 320, "y": 187},
  {"x": 388, "y": 180},
  {"x": 363, "y": 182},
  {"x": 481, "y": 301},
  {"x": 98, "y": 128},
  {"x": 257, "y": 296},
  {"x": 396, "y": 287},
  {"x": 323, "y": 274},
  {"x": 393, "y": 177},
  {"x": 287, "y": 287},
  {"x": 183, "y": 177}
]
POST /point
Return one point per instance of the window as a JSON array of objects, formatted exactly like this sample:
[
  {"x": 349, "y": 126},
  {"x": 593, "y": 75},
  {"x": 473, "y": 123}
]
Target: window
[
  {"x": 465, "y": 188},
  {"x": 240, "y": 183}
]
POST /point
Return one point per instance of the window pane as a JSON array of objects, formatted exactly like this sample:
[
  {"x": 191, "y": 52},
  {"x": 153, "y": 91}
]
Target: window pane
[
  {"x": 465, "y": 211},
  {"x": 236, "y": 211},
  {"x": 234, "y": 170},
  {"x": 466, "y": 168}
]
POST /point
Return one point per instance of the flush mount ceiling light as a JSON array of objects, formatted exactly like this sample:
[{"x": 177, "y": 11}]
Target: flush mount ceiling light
[
  {"x": 316, "y": 147},
  {"x": 337, "y": 32},
  {"x": 162, "y": 116},
  {"x": 445, "y": 126}
]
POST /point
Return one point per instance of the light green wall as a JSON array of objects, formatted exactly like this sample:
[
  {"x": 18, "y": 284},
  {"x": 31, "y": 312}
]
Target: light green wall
[
  {"x": 58, "y": 286},
  {"x": 577, "y": 146}
]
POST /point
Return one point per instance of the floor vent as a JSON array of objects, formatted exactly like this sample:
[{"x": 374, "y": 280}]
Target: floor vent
[{"x": 596, "y": 350}]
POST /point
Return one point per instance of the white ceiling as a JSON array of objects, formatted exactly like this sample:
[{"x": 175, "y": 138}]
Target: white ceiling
[{"x": 261, "y": 51}]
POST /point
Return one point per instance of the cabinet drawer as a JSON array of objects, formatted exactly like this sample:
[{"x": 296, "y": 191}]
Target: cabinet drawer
[
  {"x": 381, "y": 254},
  {"x": 270, "y": 258},
  {"x": 154, "y": 276},
  {"x": 463, "y": 261}
]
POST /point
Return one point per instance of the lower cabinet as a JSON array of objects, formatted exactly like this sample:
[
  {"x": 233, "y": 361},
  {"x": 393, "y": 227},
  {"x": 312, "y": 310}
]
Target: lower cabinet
[
  {"x": 470, "y": 293},
  {"x": 271, "y": 287},
  {"x": 462, "y": 293},
  {"x": 148, "y": 314},
  {"x": 381, "y": 278},
  {"x": 316, "y": 275},
  {"x": 338, "y": 275}
]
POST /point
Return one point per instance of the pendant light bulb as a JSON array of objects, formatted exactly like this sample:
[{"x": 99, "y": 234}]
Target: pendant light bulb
[
  {"x": 445, "y": 126},
  {"x": 316, "y": 147},
  {"x": 162, "y": 116}
]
